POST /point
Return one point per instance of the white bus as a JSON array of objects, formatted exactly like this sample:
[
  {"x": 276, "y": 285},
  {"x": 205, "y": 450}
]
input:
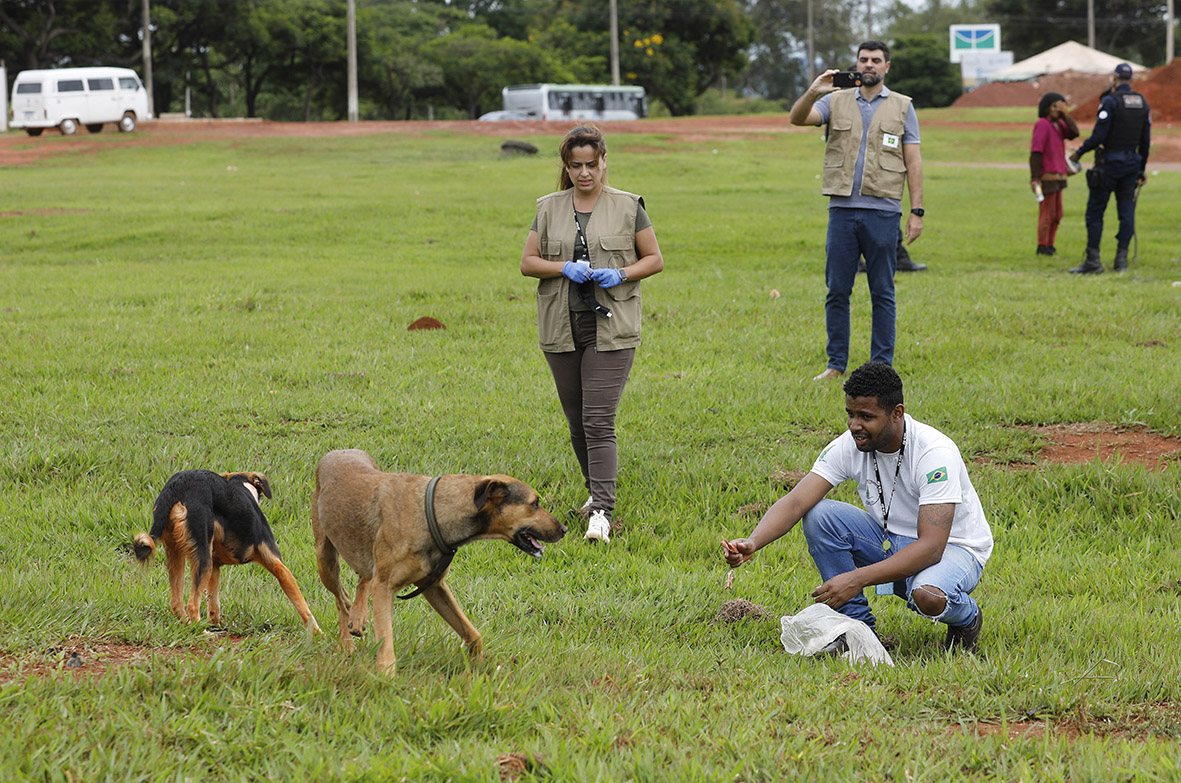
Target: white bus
[
  {"x": 65, "y": 98},
  {"x": 576, "y": 101}
]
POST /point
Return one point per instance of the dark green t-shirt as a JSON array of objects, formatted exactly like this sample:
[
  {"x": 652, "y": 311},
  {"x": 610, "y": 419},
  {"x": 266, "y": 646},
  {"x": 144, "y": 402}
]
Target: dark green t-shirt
[{"x": 642, "y": 222}]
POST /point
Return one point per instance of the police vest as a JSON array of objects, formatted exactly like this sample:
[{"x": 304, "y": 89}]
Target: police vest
[{"x": 1129, "y": 113}]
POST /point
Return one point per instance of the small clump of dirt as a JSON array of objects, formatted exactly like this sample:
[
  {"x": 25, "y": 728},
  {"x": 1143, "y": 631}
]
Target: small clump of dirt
[
  {"x": 739, "y": 609},
  {"x": 426, "y": 322}
]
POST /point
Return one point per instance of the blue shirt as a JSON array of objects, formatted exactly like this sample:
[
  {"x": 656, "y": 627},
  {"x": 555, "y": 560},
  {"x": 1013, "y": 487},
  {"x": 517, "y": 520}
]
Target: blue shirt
[{"x": 910, "y": 135}]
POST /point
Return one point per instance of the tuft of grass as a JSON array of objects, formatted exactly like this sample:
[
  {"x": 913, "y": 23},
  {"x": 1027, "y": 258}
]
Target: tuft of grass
[{"x": 243, "y": 306}]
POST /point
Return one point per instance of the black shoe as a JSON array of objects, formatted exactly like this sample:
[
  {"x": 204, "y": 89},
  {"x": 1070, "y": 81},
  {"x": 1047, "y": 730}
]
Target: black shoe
[
  {"x": 861, "y": 267},
  {"x": 1091, "y": 265},
  {"x": 964, "y": 637},
  {"x": 1045, "y": 250},
  {"x": 906, "y": 265},
  {"x": 1121, "y": 259},
  {"x": 1051, "y": 250},
  {"x": 835, "y": 649}
]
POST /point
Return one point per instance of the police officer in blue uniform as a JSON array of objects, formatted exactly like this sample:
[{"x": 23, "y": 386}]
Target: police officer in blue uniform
[{"x": 1120, "y": 140}]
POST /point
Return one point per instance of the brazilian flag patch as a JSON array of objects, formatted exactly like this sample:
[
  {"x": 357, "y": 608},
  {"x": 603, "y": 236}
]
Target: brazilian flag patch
[{"x": 937, "y": 475}]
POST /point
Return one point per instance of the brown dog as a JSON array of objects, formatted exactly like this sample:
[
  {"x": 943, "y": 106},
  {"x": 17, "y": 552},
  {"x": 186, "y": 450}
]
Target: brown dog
[
  {"x": 209, "y": 520},
  {"x": 378, "y": 523}
]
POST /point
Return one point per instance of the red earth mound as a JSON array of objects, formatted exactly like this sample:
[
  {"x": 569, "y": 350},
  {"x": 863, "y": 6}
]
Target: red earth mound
[
  {"x": 1076, "y": 87},
  {"x": 1161, "y": 88}
]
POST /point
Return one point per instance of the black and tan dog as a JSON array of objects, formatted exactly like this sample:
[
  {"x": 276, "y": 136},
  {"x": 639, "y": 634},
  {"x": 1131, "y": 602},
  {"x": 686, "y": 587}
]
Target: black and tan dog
[
  {"x": 210, "y": 520},
  {"x": 380, "y": 524}
]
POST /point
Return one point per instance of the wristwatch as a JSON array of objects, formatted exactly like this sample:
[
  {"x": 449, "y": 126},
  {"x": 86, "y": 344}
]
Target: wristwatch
[
  {"x": 623, "y": 275},
  {"x": 919, "y": 211}
]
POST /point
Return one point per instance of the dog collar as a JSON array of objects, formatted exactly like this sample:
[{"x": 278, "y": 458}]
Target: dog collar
[
  {"x": 431, "y": 522},
  {"x": 432, "y": 525}
]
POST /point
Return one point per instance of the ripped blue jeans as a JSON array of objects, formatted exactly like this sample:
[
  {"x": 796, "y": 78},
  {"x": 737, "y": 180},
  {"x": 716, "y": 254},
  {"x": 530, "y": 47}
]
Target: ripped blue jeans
[{"x": 842, "y": 537}]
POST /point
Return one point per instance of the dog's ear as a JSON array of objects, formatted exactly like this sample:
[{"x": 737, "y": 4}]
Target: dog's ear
[
  {"x": 260, "y": 483},
  {"x": 490, "y": 492}
]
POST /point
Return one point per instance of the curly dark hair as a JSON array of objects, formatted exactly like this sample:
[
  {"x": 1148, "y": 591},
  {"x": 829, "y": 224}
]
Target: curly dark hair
[{"x": 877, "y": 380}]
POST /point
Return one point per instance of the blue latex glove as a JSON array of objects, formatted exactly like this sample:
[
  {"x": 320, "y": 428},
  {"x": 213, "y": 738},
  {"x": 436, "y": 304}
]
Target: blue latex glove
[
  {"x": 577, "y": 271},
  {"x": 606, "y": 278}
]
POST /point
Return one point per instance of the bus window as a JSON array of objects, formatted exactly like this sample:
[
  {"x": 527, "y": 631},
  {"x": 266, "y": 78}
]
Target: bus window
[
  {"x": 127, "y": 83},
  {"x": 102, "y": 84},
  {"x": 29, "y": 88},
  {"x": 70, "y": 85}
]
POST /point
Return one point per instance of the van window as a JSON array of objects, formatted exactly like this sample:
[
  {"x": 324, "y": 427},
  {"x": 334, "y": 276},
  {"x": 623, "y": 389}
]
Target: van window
[
  {"x": 102, "y": 84},
  {"x": 70, "y": 85},
  {"x": 128, "y": 83},
  {"x": 29, "y": 88}
]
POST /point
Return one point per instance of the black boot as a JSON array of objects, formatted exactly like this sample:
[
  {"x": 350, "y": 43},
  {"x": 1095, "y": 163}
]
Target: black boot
[
  {"x": 1044, "y": 250},
  {"x": 1121, "y": 259},
  {"x": 1091, "y": 265}
]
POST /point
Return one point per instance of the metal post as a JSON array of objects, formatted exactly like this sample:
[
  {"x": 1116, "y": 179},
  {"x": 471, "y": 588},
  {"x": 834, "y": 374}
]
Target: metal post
[
  {"x": 354, "y": 114},
  {"x": 1091, "y": 23},
  {"x": 614, "y": 42},
  {"x": 146, "y": 26},
  {"x": 3, "y": 98}
]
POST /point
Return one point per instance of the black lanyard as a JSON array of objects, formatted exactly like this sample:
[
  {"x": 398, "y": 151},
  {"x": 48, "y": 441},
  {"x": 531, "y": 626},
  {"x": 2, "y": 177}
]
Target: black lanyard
[
  {"x": 894, "y": 487},
  {"x": 586, "y": 291}
]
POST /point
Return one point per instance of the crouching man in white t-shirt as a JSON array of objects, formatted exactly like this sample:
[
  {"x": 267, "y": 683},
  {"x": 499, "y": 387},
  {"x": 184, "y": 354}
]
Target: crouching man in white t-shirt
[{"x": 922, "y": 535}]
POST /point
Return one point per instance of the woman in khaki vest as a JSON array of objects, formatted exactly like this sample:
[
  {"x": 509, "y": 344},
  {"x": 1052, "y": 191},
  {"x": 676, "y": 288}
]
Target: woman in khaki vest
[{"x": 589, "y": 248}]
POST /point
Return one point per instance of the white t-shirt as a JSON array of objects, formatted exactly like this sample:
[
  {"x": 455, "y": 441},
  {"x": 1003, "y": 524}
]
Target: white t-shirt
[{"x": 932, "y": 472}]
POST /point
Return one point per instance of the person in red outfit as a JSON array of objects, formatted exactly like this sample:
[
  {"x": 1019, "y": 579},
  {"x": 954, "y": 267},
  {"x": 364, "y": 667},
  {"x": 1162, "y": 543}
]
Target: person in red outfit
[{"x": 1047, "y": 166}]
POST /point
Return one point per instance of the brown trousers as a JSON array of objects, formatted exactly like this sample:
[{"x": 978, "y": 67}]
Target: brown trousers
[{"x": 590, "y": 385}]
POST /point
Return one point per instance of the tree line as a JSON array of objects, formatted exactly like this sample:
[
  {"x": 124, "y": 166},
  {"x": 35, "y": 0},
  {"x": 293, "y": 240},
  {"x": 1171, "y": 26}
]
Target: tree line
[{"x": 286, "y": 59}]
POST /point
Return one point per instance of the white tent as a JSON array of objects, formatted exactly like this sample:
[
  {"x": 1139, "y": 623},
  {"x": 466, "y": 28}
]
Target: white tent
[{"x": 1069, "y": 56}]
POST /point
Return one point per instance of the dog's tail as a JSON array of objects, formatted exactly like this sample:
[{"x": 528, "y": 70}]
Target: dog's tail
[{"x": 144, "y": 546}]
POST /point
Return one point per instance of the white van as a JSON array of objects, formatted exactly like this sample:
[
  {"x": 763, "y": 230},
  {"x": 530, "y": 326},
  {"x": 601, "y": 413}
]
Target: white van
[{"x": 65, "y": 98}]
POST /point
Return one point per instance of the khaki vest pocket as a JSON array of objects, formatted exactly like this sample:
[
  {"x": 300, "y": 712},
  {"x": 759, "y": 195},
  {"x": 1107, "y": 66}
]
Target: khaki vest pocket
[{"x": 553, "y": 249}]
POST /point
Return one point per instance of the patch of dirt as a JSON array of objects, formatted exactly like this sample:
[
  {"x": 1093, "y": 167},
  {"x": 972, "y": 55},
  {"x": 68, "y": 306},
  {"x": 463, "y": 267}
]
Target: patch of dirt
[
  {"x": 19, "y": 150},
  {"x": 44, "y": 212},
  {"x": 739, "y": 609},
  {"x": 1074, "y": 444},
  {"x": 1152, "y": 720},
  {"x": 86, "y": 658}
]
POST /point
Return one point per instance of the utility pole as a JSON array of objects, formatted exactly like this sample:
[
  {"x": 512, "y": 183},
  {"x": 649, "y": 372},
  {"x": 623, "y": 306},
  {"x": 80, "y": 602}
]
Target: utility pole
[
  {"x": 869, "y": 18},
  {"x": 351, "y": 34},
  {"x": 1091, "y": 23},
  {"x": 811, "y": 47},
  {"x": 146, "y": 24},
  {"x": 615, "y": 42},
  {"x": 1169, "y": 21}
]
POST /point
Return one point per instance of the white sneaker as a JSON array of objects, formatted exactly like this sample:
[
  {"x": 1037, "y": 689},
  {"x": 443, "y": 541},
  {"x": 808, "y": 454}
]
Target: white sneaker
[
  {"x": 598, "y": 528},
  {"x": 585, "y": 510}
]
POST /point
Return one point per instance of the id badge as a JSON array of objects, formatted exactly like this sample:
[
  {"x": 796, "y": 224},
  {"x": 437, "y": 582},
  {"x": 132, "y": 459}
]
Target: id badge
[{"x": 890, "y": 140}]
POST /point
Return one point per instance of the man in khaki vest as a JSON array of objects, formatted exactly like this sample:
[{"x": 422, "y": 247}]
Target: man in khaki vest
[{"x": 871, "y": 156}]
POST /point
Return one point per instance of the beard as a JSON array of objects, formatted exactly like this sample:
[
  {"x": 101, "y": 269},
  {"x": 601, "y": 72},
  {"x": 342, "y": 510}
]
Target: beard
[{"x": 870, "y": 79}]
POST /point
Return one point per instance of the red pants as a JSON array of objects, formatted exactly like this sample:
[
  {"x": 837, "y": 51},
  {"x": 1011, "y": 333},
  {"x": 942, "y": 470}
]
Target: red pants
[{"x": 1049, "y": 215}]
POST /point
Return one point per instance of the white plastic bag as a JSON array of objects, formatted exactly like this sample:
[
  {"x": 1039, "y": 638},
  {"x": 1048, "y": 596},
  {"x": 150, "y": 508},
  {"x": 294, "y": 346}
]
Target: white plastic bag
[{"x": 810, "y": 631}]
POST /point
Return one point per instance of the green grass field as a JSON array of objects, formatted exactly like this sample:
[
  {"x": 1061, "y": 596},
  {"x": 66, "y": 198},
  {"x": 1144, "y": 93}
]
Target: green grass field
[{"x": 243, "y": 304}]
